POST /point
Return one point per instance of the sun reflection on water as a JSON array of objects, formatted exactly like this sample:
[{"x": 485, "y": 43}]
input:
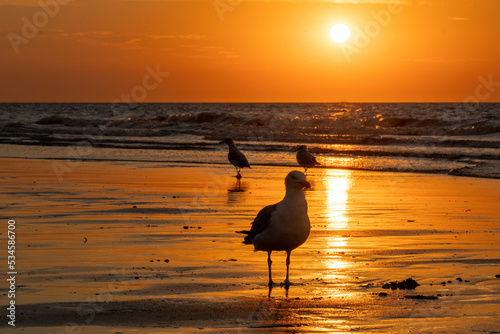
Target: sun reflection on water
[
  {"x": 337, "y": 185},
  {"x": 335, "y": 261},
  {"x": 337, "y": 244}
]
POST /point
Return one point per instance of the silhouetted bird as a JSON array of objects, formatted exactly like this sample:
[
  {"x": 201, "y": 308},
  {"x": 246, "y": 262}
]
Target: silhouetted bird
[
  {"x": 235, "y": 157},
  {"x": 304, "y": 158},
  {"x": 283, "y": 226}
]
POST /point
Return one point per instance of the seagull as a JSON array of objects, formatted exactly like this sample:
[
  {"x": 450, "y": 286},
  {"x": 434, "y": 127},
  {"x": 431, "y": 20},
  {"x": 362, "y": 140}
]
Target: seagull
[
  {"x": 283, "y": 226},
  {"x": 235, "y": 157},
  {"x": 304, "y": 158}
]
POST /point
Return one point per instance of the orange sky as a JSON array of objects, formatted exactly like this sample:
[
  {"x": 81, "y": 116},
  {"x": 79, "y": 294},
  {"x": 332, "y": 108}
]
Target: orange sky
[{"x": 249, "y": 51}]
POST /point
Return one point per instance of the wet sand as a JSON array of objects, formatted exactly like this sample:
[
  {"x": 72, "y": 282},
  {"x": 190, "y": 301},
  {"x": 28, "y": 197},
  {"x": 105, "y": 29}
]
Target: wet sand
[{"x": 150, "y": 248}]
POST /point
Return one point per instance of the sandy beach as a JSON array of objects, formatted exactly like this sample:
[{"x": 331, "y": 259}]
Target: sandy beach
[
  {"x": 125, "y": 124},
  {"x": 115, "y": 247}
]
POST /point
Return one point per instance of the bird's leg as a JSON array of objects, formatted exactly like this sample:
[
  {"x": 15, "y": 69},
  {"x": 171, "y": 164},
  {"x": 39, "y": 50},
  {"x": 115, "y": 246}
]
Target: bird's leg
[
  {"x": 269, "y": 263},
  {"x": 238, "y": 175},
  {"x": 287, "y": 280}
]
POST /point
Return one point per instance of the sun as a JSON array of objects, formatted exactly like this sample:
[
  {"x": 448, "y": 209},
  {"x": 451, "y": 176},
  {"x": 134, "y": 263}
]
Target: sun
[{"x": 340, "y": 33}]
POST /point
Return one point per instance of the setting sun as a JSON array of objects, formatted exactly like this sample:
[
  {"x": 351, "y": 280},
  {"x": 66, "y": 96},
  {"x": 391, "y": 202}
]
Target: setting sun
[
  {"x": 206, "y": 46},
  {"x": 340, "y": 33}
]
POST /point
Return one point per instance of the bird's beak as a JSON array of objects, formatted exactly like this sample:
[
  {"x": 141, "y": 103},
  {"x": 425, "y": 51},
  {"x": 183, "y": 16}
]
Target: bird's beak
[
  {"x": 297, "y": 148},
  {"x": 305, "y": 184},
  {"x": 222, "y": 142}
]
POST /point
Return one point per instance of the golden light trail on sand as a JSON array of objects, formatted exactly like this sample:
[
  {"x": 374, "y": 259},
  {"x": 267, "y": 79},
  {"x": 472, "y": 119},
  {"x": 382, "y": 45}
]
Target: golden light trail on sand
[{"x": 337, "y": 183}]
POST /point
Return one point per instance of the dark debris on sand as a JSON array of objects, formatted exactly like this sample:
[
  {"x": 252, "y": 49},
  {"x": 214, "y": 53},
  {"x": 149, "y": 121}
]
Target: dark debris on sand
[
  {"x": 421, "y": 297},
  {"x": 409, "y": 283}
]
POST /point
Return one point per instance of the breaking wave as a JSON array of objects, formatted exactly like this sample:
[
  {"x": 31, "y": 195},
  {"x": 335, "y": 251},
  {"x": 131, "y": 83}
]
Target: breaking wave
[{"x": 456, "y": 133}]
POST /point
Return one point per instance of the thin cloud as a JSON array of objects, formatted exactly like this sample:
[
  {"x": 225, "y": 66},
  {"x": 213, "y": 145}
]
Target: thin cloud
[
  {"x": 114, "y": 40},
  {"x": 111, "y": 39},
  {"x": 443, "y": 60},
  {"x": 355, "y": 2},
  {"x": 30, "y": 3},
  {"x": 108, "y": 39},
  {"x": 19, "y": 3}
]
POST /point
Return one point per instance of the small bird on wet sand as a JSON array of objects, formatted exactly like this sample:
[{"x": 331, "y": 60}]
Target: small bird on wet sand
[
  {"x": 235, "y": 157},
  {"x": 283, "y": 226},
  {"x": 304, "y": 158}
]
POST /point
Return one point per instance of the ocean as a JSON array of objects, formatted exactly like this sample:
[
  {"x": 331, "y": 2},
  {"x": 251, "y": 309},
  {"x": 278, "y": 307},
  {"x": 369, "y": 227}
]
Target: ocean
[{"x": 445, "y": 138}]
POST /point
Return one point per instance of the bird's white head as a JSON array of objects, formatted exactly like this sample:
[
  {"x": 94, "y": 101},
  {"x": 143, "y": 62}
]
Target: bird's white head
[{"x": 296, "y": 180}]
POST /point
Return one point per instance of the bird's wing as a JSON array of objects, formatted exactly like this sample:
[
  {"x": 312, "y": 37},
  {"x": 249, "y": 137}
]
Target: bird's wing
[
  {"x": 306, "y": 158},
  {"x": 313, "y": 159},
  {"x": 262, "y": 221},
  {"x": 237, "y": 158}
]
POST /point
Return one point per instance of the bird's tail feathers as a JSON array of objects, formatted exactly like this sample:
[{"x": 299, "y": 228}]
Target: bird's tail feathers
[{"x": 247, "y": 240}]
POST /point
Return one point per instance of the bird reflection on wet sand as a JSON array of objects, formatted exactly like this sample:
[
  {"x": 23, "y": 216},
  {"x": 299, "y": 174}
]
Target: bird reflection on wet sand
[
  {"x": 284, "y": 285},
  {"x": 237, "y": 187}
]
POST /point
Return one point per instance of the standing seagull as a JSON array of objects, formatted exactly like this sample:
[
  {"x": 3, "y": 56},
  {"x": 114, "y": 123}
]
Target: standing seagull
[
  {"x": 304, "y": 158},
  {"x": 235, "y": 157},
  {"x": 283, "y": 226}
]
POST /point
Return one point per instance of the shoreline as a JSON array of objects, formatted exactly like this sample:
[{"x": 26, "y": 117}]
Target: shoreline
[
  {"x": 78, "y": 156},
  {"x": 368, "y": 229}
]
